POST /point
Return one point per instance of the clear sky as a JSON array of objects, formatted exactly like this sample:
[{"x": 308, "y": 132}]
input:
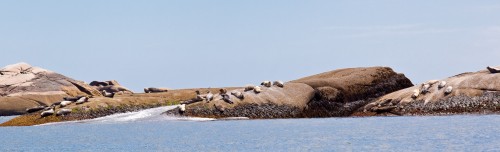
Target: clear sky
[{"x": 184, "y": 44}]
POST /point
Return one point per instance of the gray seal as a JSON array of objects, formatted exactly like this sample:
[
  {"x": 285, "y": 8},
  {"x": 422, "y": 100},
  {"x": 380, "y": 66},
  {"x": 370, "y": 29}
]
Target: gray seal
[
  {"x": 238, "y": 94},
  {"x": 47, "y": 112},
  {"x": 155, "y": 90}
]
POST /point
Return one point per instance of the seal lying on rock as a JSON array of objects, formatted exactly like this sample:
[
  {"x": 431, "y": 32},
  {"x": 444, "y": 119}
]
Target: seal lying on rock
[
  {"x": 198, "y": 98},
  {"x": 72, "y": 98},
  {"x": 266, "y": 83},
  {"x": 155, "y": 90},
  {"x": 493, "y": 70},
  {"x": 35, "y": 109},
  {"x": 448, "y": 90},
  {"x": 48, "y": 112},
  {"x": 238, "y": 94},
  {"x": 249, "y": 88},
  {"x": 278, "y": 83},
  {"x": 425, "y": 88},
  {"x": 65, "y": 103},
  {"x": 63, "y": 112},
  {"x": 415, "y": 94},
  {"x": 98, "y": 83},
  {"x": 55, "y": 104},
  {"x": 108, "y": 94},
  {"x": 82, "y": 100},
  {"x": 442, "y": 84},
  {"x": 257, "y": 89},
  {"x": 226, "y": 98},
  {"x": 209, "y": 97}
]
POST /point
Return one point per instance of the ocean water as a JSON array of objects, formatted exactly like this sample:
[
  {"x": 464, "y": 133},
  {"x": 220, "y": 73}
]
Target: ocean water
[{"x": 148, "y": 130}]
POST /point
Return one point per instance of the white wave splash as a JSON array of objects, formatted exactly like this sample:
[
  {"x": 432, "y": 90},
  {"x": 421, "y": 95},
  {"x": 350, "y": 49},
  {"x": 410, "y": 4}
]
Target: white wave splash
[{"x": 153, "y": 114}]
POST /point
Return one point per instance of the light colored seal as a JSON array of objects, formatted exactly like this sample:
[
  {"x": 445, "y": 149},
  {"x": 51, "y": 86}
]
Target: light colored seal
[
  {"x": 425, "y": 88},
  {"x": 266, "y": 83},
  {"x": 238, "y": 94},
  {"x": 182, "y": 107},
  {"x": 63, "y": 112},
  {"x": 209, "y": 97},
  {"x": 65, "y": 103},
  {"x": 257, "y": 89},
  {"x": 108, "y": 94},
  {"x": 279, "y": 84},
  {"x": 415, "y": 94},
  {"x": 432, "y": 82},
  {"x": 48, "y": 112},
  {"x": 448, "y": 90},
  {"x": 82, "y": 100},
  {"x": 442, "y": 84}
]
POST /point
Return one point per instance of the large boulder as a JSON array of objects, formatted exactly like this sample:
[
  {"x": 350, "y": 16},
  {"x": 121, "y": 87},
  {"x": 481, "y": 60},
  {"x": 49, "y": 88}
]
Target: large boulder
[
  {"x": 341, "y": 92},
  {"x": 24, "y": 86},
  {"x": 471, "y": 92},
  {"x": 335, "y": 93}
]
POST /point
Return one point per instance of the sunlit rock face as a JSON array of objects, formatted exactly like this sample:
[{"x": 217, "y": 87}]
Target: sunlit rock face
[
  {"x": 24, "y": 86},
  {"x": 470, "y": 92}
]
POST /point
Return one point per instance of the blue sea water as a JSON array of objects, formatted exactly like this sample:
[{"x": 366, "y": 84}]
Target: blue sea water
[{"x": 148, "y": 130}]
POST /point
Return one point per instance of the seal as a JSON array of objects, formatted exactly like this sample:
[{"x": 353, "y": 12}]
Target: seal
[
  {"x": 55, "y": 104},
  {"x": 226, "y": 98},
  {"x": 442, "y": 84},
  {"x": 415, "y": 94},
  {"x": 209, "y": 97},
  {"x": 493, "y": 70},
  {"x": 249, "y": 88},
  {"x": 63, "y": 112},
  {"x": 47, "y": 112},
  {"x": 425, "y": 88},
  {"x": 238, "y": 94},
  {"x": 279, "y": 84},
  {"x": 432, "y": 82},
  {"x": 448, "y": 90},
  {"x": 35, "y": 109},
  {"x": 72, "y": 98},
  {"x": 222, "y": 90},
  {"x": 82, "y": 100},
  {"x": 155, "y": 90},
  {"x": 198, "y": 98},
  {"x": 266, "y": 83},
  {"x": 257, "y": 89},
  {"x": 65, "y": 103},
  {"x": 108, "y": 94},
  {"x": 98, "y": 83}
]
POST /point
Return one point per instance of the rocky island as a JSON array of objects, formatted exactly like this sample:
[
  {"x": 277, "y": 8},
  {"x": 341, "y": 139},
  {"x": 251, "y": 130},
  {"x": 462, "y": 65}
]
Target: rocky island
[{"x": 368, "y": 91}]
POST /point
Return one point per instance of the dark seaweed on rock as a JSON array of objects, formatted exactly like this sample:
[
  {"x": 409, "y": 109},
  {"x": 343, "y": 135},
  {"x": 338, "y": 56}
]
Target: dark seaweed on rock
[
  {"x": 487, "y": 103},
  {"x": 254, "y": 111}
]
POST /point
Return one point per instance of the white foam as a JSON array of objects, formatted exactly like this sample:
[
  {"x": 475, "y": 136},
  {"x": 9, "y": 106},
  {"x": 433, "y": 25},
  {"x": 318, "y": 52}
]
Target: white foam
[{"x": 153, "y": 114}]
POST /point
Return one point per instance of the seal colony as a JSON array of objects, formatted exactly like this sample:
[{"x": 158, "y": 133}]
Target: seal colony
[
  {"x": 339, "y": 93},
  {"x": 472, "y": 92}
]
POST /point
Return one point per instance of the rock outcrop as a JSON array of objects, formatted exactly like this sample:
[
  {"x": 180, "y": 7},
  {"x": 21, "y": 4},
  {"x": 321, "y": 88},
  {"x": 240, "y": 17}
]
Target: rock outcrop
[
  {"x": 472, "y": 92},
  {"x": 23, "y": 86},
  {"x": 335, "y": 93}
]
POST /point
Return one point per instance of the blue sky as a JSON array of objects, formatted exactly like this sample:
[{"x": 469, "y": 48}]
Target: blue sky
[{"x": 184, "y": 44}]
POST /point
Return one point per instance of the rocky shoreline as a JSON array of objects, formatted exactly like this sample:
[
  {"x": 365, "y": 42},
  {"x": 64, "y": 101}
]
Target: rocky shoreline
[{"x": 351, "y": 92}]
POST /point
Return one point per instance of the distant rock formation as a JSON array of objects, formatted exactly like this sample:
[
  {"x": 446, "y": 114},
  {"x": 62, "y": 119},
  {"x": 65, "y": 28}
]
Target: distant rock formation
[
  {"x": 24, "y": 86},
  {"x": 473, "y": 92},
  {"x": 335, "y": 93}
]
